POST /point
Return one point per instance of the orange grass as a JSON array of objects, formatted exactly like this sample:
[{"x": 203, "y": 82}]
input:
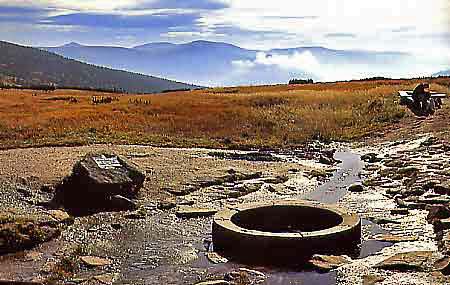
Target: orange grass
[{"x": 239, "y": 117}]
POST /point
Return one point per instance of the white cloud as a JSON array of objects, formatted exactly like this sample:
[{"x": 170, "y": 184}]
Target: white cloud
[{"x": 372, "y": 22}]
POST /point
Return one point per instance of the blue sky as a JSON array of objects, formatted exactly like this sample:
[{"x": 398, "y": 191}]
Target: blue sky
[{"x": 417, "y": 26}]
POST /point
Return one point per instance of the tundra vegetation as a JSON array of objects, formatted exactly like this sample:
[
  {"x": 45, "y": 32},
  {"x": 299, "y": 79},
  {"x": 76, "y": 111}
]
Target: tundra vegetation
[{"x": 277, "y": 116}]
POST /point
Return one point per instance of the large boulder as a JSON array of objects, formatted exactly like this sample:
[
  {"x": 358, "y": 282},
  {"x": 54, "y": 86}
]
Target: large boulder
[{"x": 96, "y": 181}]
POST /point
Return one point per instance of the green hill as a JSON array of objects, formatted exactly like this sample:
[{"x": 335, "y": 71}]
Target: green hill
[{"x": 29, "y": 67}]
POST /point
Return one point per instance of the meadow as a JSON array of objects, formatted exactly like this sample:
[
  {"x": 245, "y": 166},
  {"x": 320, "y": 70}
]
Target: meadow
[{"x": 281, "y": 116}]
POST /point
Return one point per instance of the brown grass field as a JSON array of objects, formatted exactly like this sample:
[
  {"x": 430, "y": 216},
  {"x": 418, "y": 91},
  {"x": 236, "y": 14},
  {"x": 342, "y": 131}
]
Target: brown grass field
[{"x": 279, "y": 116}]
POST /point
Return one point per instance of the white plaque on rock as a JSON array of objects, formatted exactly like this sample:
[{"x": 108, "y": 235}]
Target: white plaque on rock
[{"x": 107, "y": 162}]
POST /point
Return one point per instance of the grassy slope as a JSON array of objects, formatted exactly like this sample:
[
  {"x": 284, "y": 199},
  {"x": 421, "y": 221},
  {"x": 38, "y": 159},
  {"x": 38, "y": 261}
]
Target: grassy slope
[
  {"x": 30, "y": 66},
  {"x": 266, "y": 116}
]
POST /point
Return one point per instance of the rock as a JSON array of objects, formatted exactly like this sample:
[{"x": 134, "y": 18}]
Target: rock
[
  {"x": 214, "y": 282},
  {"x": 245, "y": 276},
  {"x": 17, "y": 234},
  {"x": 95, "y": 182},
  {"x": 372, "y": 279},
  {"x": 276, "y": 180},
  {"x": 120, "y": 203},
  {"x": 328, "y": 262},
  {"x": 395, "y": 163},
  {"x": 107, "y": 278},
  {"x": 167, "y": 205},
  {"x": 370, "y": 158},
  {"x": 410, "y": 261},
  {"x": 395, "y": 238},
  {"x": 137, "y": 215},
  {"x": 61, "y": 216},
  {"x": 408, "y": 171},
  {"x": 443, "y": 265},
  {"x": 194, "y": 212},
  {"x": 11, "y": 282},
  {"x": 326, "y": 160},
  {"x": 216, "y": 258},
  {"x": 94, "y": 261},
  {"x": 437, "y": 212},
  {"x": 443, "y": 189},
  {"x": 357, "y": 188}
]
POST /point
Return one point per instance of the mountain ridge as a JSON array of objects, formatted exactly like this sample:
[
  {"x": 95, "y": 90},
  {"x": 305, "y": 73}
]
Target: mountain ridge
[{"x": 29, "y": 66}]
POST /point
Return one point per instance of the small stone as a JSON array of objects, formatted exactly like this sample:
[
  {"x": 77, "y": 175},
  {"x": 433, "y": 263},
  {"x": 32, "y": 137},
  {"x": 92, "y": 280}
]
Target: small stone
[
  {"x": 167, "y": 205},
  {"x": 370, "y": 158},
  {"x": 60, "y": 216},
  {"x": 107, "y": 278},
  {"x": 437, "y": 212},
  {"x": 95, "y": 261},
  {"x": 443, "y": 265},
  {"x": 357, "y": 188},
  {"x": 194, "y": 212},
  {"x": 372, "y": 279},
  {"x": 395, "y": 239},
  {"x": 216, "y": 258},
  {"x": 245, "y": 276},
  {"x": 410, "y": 261},
  {"x": 328, "y": 262}
]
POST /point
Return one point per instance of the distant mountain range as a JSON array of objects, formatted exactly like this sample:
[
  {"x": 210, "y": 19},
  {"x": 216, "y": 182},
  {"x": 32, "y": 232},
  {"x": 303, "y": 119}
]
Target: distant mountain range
[
  {"x": 28, "y": 66},
  {"x": 442, "y": 73},
  {"x": 213, "y": 63}
]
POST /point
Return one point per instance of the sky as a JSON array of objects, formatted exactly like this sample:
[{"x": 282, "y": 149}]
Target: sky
[{"x": 420, "y": 27}]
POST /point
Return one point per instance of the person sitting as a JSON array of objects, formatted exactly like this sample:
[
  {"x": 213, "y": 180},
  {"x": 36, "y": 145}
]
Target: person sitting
[{"x": 421, "y": 96}]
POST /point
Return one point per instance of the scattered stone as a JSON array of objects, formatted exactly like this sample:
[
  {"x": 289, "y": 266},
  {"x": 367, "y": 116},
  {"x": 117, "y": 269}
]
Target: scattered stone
[
  {"x": 395, "y": 238},
  {"x": 194, "y": 212},
  {"x": 357, "y": 188},
  {"x": 215, "y": 258},
  {"x": 94, "y": 261},
  {"x": 372, "y": 279},
  {"x": 410, "y": 261},
  {"x": 328, "y": 262}
]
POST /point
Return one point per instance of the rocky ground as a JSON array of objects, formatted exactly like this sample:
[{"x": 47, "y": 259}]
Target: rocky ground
[{"x": 400, "y": 191}]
